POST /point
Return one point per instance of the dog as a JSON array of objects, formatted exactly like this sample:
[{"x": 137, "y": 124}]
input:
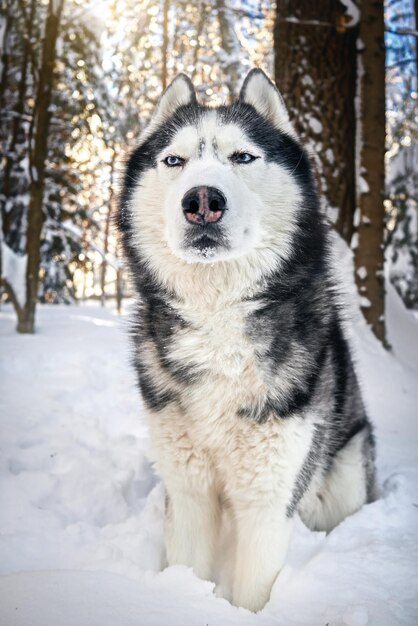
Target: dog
[{"x": 251, "y": 397}]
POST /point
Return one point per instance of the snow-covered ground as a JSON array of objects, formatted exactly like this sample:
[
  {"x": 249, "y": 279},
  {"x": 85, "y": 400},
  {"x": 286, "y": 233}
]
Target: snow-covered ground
[{"x": 81, "y": 510}]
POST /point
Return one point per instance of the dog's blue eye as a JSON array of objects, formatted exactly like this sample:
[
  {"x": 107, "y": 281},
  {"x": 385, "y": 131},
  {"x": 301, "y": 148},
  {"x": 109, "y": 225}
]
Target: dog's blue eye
[
  {"x": 173, "y": 161},
  {"x": 242, "y": 157}
]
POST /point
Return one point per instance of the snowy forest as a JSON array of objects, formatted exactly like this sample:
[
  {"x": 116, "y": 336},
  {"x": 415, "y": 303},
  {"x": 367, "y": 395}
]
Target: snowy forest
[
  {"x": 82, "y": 510},
  {"x": 79, "y": 80}
]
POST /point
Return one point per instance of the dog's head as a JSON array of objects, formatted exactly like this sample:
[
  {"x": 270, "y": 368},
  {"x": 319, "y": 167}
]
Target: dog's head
[{"x": 213, "y": 184}]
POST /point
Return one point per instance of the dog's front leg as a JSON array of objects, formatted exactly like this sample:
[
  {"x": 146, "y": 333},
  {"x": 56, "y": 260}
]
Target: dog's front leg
[
  {"x": 191, "y": 529},
  {"x": 263, "y": 533}
]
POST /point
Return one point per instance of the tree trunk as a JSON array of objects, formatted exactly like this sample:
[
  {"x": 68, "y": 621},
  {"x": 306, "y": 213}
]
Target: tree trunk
[
  {"x": 369, "y": 256},
  {"x": 19, "y": 107},
  {"x": 119, "y": 284},
  {"x": 4, "y": 64},
  {"x": 26, "y": 322},
  {"x": 104, "y": 261},
  {"x": 199, "y": 30},
  {"x": 107, "y": 230},
  {"x": 416, "y": 40},
  {"x": 231, "y": 64},
  {"x": 315, "y": 69},
  {"x": 164, "y": 55}
]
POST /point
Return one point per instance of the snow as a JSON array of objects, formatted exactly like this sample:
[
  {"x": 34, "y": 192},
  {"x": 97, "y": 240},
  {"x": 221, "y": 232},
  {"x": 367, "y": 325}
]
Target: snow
[
  {"x": 93, "y": 20},
  {"x": 354, "y": 241},
  {"x": 330, "y": 156},
  {"x": 81, "y": 511},
  {"x": 331, "y": 212},
  {"x": 13, "y": 270},
  {"x": 72, "y": 228},
  {"x": 362, "y": 272},
  {"x": 315, "y": 125},
  {"x": 402, "y": 335},
  {"x": 365, "y": 302},
  {"x": 307, "y": 81},
  {"x": 363, "y": 185},
  {"x": 358, "y": 103},
  {"x": 352, "y": 11}
]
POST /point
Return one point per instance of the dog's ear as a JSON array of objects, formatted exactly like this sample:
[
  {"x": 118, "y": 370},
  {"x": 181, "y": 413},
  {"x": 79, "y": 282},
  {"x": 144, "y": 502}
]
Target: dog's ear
[
  {"x": 261, "y": 93},
  {"x": 177, "y": 94}
]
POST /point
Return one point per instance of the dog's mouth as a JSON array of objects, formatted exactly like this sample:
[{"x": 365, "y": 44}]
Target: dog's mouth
[{"x": 206, "y": 241}]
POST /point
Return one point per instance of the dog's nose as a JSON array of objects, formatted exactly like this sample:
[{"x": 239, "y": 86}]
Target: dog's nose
[{"x": 203, "y": 205}]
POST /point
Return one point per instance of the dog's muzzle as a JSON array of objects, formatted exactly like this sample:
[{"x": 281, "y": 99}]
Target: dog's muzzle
[{"x": 203, "y": 205}]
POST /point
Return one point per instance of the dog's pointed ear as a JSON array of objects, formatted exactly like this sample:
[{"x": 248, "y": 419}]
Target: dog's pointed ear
[
  {"x": 179, "y": 93},
  {"x": 259, "y": 91}
]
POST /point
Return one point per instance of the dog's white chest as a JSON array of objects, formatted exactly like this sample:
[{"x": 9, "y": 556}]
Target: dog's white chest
[{"x": 215, "y": 342}]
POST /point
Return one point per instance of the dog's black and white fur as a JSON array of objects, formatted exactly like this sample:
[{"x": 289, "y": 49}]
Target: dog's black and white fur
[{"x": 252, "y": 400}]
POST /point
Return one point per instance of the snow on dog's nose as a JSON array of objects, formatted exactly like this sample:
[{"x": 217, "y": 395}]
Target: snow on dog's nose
[{"x": 203, "y": 205}]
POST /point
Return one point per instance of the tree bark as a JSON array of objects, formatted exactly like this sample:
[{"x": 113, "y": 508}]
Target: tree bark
[
  {"x": 107, "y": 230},
  {"x": 5, "y": 53},
  {"x": 231, "y": 47},
  {"x": 26, "y": 322},
  {"x": 166, "y": 7},
  {"x": 315, "y": 68},
  {"x": 369, "y": 254},
  {"x": 199, "y": 30},
  {"x": 119, "y": 283},
  {"x": 20, "y": 105}
]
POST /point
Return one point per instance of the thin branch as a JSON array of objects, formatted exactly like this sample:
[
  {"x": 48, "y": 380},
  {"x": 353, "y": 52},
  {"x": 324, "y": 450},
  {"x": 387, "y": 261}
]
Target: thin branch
[
  {"x": 13, "y": 114},
  {"x": 245, "y": 12},
  {"x": 295, "y": 20},
  {"x": 402, "y": 31},
  {"x": 400, "y": 62}
]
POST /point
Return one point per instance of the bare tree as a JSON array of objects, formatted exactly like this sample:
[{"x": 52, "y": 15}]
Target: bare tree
[
  {"x": 8, "y": 17},
  {"x": 231, "y": 64},
  {"x": 108, "y": 220},
  {"x": 20, "y": 101},
  {"x": 369, "y": 257},
  {"x": 315, "y": 68},
  {"x": 26, "y": 315},
  {"x": 166, "y": 7}
]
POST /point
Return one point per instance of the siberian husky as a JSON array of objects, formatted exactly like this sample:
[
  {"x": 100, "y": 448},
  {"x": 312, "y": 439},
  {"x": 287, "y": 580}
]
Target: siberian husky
[{"x": 251, "y": 396}]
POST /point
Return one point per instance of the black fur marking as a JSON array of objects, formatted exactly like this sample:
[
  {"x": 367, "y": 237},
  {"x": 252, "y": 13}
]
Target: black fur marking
[
  {"x": 312, "y": 461},
  {"x": 354, "y": 430},
  {"x": 145, "y": 157},
  {"x": 302, "y": 394},
  {"x": 154, "y": 398},
  {"x": 295, "y": 401},
  {"x": 369, "y": 451},
  {"x": 261, "y": 413},
  {"x": 341, "y": 361},
  {"x": 201, "y": 147},
  {"x": 160, "y": 322},
  {"x": 316, "y": 453},
  {"x": 276, "y": 146},
  {"x": 205, "y": 236}
]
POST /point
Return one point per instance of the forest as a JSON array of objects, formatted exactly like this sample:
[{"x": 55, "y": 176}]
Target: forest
[
  {"x": 79, "y": 79},
  {"x": 84, "y": 506}
]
